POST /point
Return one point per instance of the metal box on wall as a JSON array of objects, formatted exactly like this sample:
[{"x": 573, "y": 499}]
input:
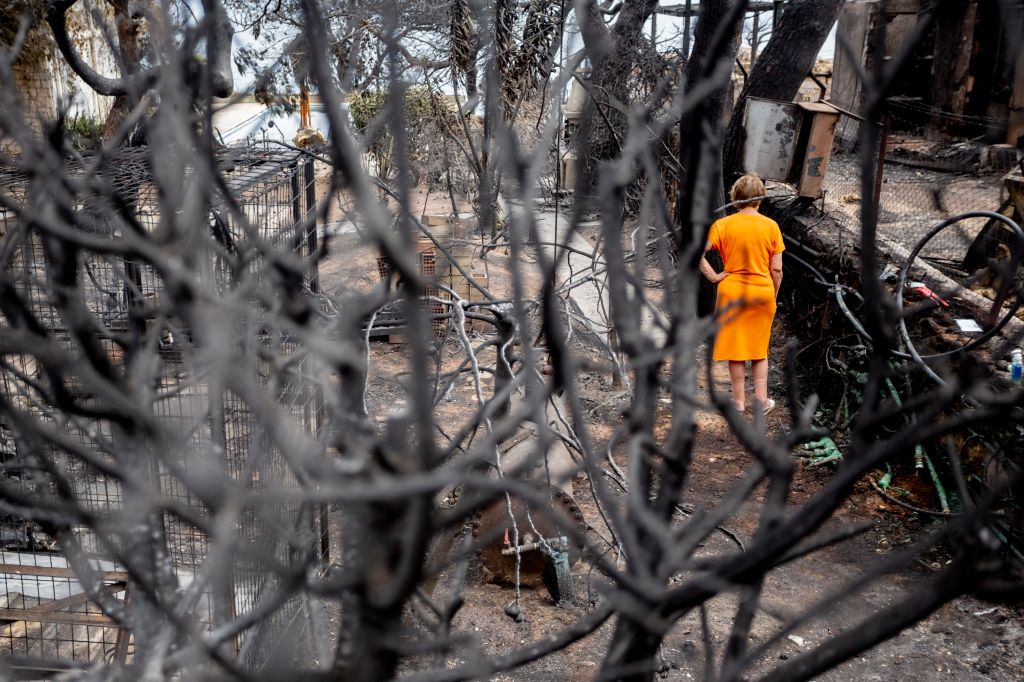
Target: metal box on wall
[
  {"x": 814, "y": 147},
  {"x": 772, "y": 131},
  {"x": 789, "y": 142}
]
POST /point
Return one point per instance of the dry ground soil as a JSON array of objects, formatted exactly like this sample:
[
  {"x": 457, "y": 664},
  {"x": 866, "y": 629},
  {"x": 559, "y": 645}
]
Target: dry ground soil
[{"x": 967, "y": 640}]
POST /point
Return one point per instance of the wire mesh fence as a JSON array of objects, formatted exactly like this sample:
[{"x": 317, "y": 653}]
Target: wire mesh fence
[
  {"x": 924, "y": 182},
  {"x": 53, "y": 455},
  {"x": 938, "y": 212},
  {"x": 913, "y": 200}
]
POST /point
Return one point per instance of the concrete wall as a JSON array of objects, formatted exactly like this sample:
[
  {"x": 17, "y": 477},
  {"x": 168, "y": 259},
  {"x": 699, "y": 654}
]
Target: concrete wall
[{"x": 43, "y": 88}]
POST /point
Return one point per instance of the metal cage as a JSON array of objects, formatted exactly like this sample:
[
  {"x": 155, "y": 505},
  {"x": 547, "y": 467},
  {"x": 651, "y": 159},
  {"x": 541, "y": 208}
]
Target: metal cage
[{"x": 267, "y": 202}]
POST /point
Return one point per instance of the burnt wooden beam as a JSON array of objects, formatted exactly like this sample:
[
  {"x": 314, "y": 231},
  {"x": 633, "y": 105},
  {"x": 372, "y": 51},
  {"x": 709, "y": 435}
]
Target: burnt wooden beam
[
  {"x": 905, "y": 7},
  {"x": 1015, "y": 133},
  {"x": 954, "y": 39},
  {"x": 17, "y": 615},
  {"x": 692, "y": 10}
]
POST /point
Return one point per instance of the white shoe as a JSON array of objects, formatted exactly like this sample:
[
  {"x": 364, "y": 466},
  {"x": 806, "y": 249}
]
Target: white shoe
[{"x": 769, "y": 407}]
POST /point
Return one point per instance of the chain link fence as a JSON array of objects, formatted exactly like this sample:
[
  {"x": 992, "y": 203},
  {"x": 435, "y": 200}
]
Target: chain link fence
[{"x": 913, "y": 200}]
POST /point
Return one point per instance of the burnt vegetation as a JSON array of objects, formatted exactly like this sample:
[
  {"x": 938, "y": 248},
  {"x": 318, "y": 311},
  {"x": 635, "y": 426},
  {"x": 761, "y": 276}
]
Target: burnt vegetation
[{"x": 188, "y": 459}]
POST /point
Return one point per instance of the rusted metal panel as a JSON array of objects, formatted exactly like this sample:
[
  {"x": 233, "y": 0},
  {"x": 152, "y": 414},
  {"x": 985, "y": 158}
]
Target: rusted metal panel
[
  {"x": 495, "y": 534},
  {"x": 821, "y": 120},
  {"x": 772, "y": 132},
  {"x": 551, "y": 469}
]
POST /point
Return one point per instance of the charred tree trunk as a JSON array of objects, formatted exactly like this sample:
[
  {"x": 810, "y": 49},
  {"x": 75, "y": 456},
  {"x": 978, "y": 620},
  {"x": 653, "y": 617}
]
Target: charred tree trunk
[
  {"x": 130, "y": 56},
  {"x": 465, "y": 47},
  {"x": 130, "y": 59},
  {"x": 714, "y": 49},
  {"x": 613, "y": 53},
  {"x": 635, "y": 642},
  {"x": 782, "y": 67},
  {"x": 700, "y": 150},
  {"x": 368, "y": 554}
]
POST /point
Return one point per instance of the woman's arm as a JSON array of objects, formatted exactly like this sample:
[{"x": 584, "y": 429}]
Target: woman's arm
[
  {"x": 776, "y": 269},
  {"x": 708, "y": 271}
]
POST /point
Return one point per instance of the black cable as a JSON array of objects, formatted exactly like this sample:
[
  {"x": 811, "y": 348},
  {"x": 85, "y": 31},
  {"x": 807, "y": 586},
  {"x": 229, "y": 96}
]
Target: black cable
[
  {"x": 839, "y": 289},
  {"x": 905, "y": 270}
]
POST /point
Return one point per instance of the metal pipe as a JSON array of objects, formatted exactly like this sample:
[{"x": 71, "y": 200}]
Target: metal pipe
[
  {"x": 560, "y": 542},
  {"x": 844, "y": 112},
  {"x": 686, "y": 28},
  {"x": 883, "y": 143},
  {"x": 687, "y": 10},
  {"x": 754, "y": 31}
]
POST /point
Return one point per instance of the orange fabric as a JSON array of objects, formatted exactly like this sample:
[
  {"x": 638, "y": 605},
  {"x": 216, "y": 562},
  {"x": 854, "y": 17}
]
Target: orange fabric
[{"x": 746, "y": 298}]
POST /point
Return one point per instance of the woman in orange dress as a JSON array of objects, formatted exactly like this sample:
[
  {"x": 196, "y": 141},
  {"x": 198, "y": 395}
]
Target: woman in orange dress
[{"x": 751, "y": 248}]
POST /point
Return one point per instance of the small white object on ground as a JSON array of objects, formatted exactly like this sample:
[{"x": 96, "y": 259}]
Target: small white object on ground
[{"x": 967, "y": 325}]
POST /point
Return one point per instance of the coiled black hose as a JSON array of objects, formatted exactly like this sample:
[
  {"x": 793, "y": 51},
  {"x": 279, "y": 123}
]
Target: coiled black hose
[
  {"x": 840, "y": 290},
  {"x": 1017, "y": 254}
]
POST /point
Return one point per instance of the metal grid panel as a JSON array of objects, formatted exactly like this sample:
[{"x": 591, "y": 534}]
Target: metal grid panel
[
  {"x": 269, "y": 193},
  {"x": 391, "y": 320}
]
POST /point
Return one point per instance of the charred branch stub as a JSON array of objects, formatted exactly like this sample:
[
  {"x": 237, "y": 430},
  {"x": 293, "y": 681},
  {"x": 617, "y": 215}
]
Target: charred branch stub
[{"x": 505, "y": 328}]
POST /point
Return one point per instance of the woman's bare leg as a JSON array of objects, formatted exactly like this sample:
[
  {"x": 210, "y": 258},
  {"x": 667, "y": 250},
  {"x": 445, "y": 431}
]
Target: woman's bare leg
[
  {"x": 759, "y": 368},
  {"x": 738, "y": 376}
]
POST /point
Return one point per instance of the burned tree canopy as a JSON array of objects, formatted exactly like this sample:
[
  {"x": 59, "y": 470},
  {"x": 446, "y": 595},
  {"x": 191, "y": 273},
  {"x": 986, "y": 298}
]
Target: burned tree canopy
[
  {"x": 614, "y": 52},
  {"x": 385, "y": 402}
]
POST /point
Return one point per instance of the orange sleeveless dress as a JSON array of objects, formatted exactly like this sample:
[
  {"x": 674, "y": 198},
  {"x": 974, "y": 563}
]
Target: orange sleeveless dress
[{"x": 745, "y": 305}]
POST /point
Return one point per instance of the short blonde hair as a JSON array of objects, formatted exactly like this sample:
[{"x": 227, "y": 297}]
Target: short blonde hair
[{"x": 747, "y": 191}]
